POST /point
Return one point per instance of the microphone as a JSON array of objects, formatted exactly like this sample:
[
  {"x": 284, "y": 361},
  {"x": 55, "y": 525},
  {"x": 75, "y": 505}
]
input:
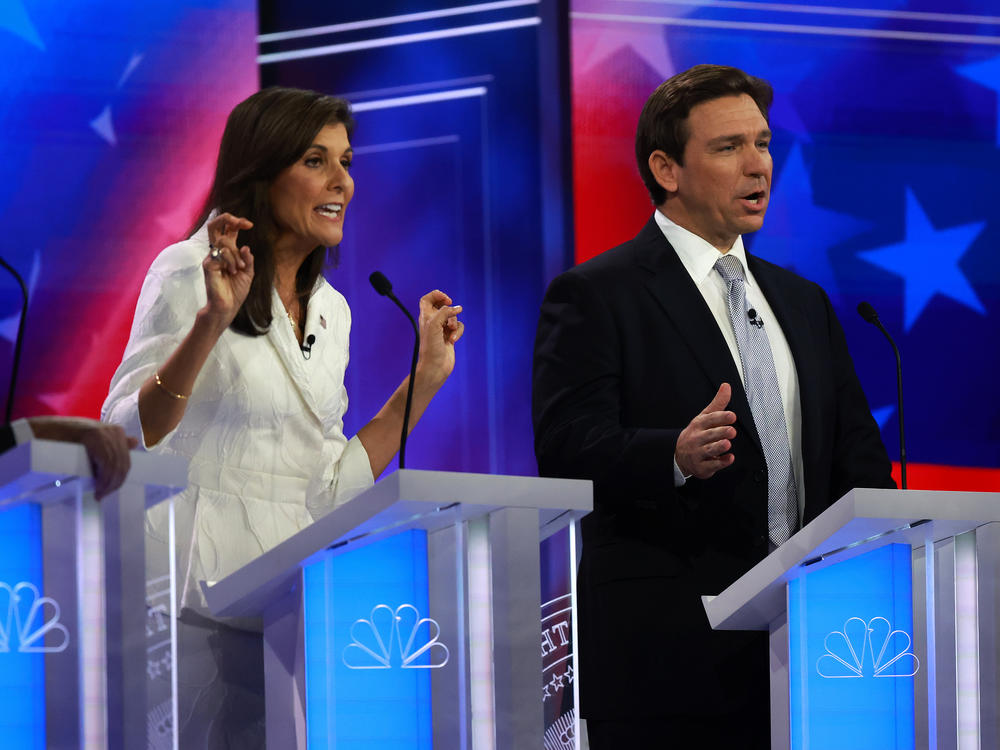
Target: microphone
[
  {"x": 382, "y": 286},
  {"x": 307, "y": 346},
  {"x": 19, "y": 340},
  {"x": 866, "y": 311},
  {"x": 754, "y": 320}
]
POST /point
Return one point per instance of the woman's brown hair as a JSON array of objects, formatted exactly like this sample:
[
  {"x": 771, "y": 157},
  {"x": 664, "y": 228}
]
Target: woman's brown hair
[{"x": 265, "y": 134}]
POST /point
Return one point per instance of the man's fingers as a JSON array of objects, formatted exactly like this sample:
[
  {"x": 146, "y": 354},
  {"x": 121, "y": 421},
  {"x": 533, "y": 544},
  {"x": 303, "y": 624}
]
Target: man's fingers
[
  {"x": 708, "y": 466},
  {"x": 716, "y": 434},
  {"x": 704, "y": 446},
  {"x": 713, "y": 420},
  {"x": 721, "y": 462},
  {"x": 721, "y": 399},
  {"x": 108, "y": 450}
]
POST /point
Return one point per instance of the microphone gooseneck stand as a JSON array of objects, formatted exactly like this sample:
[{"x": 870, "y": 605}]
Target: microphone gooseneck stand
[
  {"x": 866, "y": 311},
  {"x": 383, "y": 287}
]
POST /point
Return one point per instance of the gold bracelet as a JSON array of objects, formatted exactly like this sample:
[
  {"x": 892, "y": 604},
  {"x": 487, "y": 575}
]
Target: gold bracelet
[{"x": 159, "y": 383}]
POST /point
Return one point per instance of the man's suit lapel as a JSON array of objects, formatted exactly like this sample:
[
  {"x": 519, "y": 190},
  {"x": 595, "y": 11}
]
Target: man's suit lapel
[
  {"x": 794, "y": 324},
  {"x": 672, "y": 287}
]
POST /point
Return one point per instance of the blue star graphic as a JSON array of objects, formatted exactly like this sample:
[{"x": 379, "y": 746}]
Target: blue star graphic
[
  {"x": 928, "y": 262},
  {"x": 987, "y": 74},
  {"x": 882, "y": 415},
  {"x": 797, "y": 234},
  {"x": 784, "y": 72},
  {"x": 14, "y": 18}
]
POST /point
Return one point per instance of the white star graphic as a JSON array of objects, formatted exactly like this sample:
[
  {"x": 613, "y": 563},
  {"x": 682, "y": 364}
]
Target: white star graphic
[
  {"x": 104, "y": 127},
  {"x": 103, "y": 124},
  {"x": 592, "y": 45}
]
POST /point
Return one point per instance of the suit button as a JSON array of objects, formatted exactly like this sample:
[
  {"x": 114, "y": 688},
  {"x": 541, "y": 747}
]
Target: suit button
[{"x": 758, "y": 476}]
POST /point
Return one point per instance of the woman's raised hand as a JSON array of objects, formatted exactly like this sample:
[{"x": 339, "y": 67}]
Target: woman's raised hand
[
  {"x": 440, "y": 328},
  {"x": 228, "y": 269}
]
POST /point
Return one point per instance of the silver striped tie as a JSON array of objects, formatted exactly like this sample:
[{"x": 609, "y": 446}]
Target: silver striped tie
[{"x": 761, "y": 384}]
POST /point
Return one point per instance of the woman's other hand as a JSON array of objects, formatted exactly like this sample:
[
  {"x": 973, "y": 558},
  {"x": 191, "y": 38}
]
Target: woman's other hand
[
  {"x": 228, "y": 269},
  {"x": 440, "y": 328}
]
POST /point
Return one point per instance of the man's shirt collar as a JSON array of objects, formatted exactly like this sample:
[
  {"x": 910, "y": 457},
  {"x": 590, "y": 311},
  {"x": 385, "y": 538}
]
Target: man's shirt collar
[{"x": 697, "y": 254}]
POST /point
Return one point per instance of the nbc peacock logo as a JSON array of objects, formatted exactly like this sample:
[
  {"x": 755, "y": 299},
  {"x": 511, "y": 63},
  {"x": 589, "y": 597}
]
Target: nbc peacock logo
[
  {"x": 867, "y": 649},
  {"x": 376, "y": 641},
  {"x": 27, "y": 622}
]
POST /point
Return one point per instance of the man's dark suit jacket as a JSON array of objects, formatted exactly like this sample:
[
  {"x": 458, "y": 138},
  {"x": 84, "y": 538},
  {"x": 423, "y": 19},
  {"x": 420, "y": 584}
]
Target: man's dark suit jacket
[{"x": 627, "y": 353}]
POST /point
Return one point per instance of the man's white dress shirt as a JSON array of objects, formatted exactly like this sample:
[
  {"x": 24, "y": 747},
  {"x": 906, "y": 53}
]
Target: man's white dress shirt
[{"x": 699, "y": 257}]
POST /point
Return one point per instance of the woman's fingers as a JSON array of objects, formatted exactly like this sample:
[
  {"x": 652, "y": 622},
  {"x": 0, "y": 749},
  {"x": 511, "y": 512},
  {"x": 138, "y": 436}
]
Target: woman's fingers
[
  {"x": 432, "y": 301},
  {"x": 246, "y": 258},
  {"x": 222, "y": 233},
  {"x": 445, "y": 318},
  {"x": 226, "y": 224},
  {"x": 223, "y": 258}
]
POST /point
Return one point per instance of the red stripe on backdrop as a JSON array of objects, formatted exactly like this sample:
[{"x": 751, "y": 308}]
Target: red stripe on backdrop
[{"x": 935, "y": 477}]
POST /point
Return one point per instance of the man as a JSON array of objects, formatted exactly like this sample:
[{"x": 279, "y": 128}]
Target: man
[
  {"x": 106, "y": 444},
  {"x": 644, "y": 361}
]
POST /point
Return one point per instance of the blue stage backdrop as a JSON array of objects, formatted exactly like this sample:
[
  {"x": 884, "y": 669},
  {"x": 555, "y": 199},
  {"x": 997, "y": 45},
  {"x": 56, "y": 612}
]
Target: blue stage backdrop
[
  {"x": 448, "y": 174},
  {"x": 886, "y": 151}
]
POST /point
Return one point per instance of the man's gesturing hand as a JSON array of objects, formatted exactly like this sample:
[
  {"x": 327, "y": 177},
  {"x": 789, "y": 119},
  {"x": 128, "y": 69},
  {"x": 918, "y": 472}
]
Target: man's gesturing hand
[{"x": 703, "y": 446}]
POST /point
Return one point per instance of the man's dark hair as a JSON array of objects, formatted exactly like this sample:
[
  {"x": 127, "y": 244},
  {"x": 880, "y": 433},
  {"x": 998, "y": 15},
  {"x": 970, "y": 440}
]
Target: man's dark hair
[
  {"x": 266, "y": 133},
  {"x": 663, "y": 122}
]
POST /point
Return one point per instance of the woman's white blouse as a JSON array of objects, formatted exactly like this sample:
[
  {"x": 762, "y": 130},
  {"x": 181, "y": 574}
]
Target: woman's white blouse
[{"x": 263, "y": 428}]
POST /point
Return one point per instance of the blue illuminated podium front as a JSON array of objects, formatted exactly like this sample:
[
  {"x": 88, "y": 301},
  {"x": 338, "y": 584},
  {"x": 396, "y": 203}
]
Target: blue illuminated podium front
[
  {"x": 409, "y": 616},
  {"x": 882, "y": 621},
  {"x": 76, "y": 634}
]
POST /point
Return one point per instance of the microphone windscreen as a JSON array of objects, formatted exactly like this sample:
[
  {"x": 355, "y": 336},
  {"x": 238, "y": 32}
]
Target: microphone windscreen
[
  {"x": 866, "y": 311},
  {"x": 310, "y": 340},
  {"x": 380, "y": 283}
]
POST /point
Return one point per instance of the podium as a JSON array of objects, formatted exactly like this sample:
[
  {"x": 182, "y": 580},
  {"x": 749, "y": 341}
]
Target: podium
[
  {"x": 73, "y": 600},
  {"x": 882, "y": 614},
  {"x": 409, "y": 616}
]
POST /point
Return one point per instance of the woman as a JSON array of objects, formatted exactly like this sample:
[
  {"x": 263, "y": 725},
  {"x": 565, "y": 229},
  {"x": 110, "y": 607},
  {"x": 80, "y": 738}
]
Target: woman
[{"x": 215, "y": 368}]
